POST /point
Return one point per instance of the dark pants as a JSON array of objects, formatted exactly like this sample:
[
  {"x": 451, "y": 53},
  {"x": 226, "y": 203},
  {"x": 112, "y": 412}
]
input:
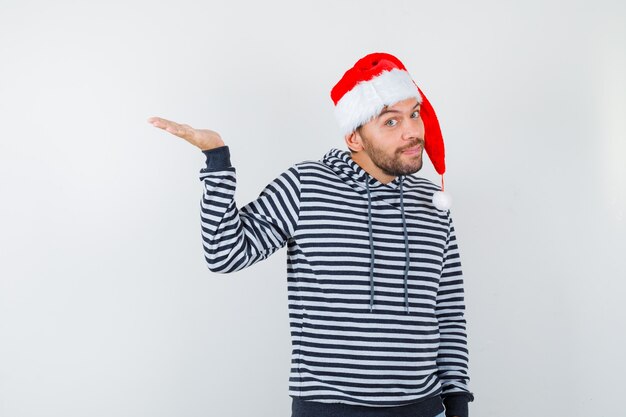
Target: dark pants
[{"x": 430, "y": 407}]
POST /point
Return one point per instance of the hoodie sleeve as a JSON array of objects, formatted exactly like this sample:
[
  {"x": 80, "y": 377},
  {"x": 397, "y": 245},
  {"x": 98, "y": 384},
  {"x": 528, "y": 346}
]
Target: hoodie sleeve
[
  {"x": 453, "y": 358},
  {"x": 234, "y": 238}
]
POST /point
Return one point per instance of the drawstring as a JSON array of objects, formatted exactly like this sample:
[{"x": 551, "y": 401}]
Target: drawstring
[
  {"x": 406, "y": 250},
  {"x": 369, "y": 223},
  {"x": 406, "y": 246}
]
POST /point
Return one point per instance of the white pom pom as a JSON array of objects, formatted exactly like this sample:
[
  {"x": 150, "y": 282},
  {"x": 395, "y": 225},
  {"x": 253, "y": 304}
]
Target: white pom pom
[{"x": 442, "y": 200}]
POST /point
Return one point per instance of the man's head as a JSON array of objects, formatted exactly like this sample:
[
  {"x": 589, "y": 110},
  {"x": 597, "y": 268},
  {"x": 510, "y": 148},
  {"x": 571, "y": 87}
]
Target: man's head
[
  {"x": 391, "y": 143},
  {"x": 375, "y": 84},
  {"x": 377, "y": 105}
]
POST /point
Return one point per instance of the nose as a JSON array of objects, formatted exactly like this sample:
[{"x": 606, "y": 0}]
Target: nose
[{"x": 414, "y": 130}]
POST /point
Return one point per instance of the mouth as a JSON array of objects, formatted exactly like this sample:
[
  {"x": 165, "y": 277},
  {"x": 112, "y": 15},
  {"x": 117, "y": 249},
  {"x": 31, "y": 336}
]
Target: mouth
[{"x": 413, "y": 151}]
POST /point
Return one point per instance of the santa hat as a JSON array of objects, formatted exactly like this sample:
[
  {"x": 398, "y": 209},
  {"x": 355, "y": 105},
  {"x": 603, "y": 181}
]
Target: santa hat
[{"x": 377, "y": 80}]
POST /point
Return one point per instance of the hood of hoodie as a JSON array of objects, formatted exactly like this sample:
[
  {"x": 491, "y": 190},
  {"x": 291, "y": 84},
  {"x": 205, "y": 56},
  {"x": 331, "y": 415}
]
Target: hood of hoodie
[
  {"x": 341, "y": 162},
  {"x": 392, "y": 193}
]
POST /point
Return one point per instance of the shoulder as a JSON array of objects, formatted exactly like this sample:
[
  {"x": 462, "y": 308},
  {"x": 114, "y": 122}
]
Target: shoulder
[
  {"x": 420, "y": 185},
  {"x": 312, "y": 164},
  {"x": 423, "y": 190},
  {"x": 312, "y": 168},
  {"x": 303, "y": 170}
]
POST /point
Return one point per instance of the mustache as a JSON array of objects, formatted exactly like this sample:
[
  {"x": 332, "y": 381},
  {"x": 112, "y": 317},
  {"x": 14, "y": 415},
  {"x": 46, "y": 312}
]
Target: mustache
[{"x": 413, "y": 145}]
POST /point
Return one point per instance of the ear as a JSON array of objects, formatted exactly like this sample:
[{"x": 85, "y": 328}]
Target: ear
[{"x": 353, "y": 141}]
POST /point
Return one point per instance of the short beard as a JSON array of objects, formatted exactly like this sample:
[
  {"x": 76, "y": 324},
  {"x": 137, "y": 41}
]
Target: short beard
[{"x": 392, "y": 165}]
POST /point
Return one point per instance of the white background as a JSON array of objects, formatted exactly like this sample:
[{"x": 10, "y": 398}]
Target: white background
[{"x": 106, "y": 306}]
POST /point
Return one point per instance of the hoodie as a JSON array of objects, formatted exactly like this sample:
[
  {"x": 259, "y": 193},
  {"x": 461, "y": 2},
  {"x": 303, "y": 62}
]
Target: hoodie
[{"x": 375, "y": 288}]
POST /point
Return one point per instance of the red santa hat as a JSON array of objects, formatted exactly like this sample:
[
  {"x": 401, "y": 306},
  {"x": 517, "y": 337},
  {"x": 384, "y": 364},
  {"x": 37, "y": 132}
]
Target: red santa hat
[{"x": 377, "y": 80}]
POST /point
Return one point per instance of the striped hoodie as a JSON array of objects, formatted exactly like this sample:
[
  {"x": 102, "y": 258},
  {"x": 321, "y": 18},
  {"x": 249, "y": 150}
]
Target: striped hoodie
[{"x": 375, "y": 288}]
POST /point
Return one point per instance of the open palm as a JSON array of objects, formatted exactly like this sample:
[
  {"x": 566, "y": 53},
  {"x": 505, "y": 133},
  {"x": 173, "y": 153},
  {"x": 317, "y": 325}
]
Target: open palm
[{"x": 204, "y": 139}]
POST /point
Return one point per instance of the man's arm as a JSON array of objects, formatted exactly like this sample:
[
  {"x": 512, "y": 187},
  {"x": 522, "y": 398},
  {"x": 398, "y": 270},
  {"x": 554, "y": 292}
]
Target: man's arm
[
  {"x": 234, "y": 238},
  {"x": 452, "y": 358}
]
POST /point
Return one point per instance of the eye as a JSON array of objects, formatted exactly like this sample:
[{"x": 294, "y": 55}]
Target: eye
[
  {"x": 388, "y": 122},
  {"x": 416, "y": 114}
]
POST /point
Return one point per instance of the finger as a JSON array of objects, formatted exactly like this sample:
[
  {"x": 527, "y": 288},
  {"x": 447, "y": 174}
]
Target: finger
[
  {"x": 173, "y": 129},
  {"x": 168, "y": 125},
  {"x": 159, "y": 122},
  {"x": 181, "y": 130}
]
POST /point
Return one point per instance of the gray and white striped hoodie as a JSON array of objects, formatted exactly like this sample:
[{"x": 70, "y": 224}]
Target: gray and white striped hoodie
[{"x": 375, "y": 288}]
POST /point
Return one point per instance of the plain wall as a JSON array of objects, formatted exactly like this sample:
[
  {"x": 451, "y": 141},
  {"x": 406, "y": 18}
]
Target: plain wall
[{"x": 106, "y": 306}]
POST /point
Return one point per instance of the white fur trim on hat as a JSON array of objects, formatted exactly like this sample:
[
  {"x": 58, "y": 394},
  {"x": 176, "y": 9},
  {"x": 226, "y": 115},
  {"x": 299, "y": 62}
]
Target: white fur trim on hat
[{"x": 367, "y": 99}]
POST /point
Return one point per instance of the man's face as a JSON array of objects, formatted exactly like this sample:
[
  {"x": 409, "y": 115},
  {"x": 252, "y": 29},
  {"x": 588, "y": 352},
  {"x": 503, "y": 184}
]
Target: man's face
[{"x": 394, "y": 140}]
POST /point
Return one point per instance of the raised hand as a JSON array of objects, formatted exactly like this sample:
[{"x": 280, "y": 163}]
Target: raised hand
[{"x": 204, "y": 139}]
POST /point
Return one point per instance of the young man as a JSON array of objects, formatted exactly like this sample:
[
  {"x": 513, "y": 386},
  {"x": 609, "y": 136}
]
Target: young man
[{"x": 376, "y": 299}]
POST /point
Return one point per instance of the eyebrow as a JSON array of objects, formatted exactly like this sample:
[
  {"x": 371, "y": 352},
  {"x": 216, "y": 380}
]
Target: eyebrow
[{"x": 387, "y": 110}]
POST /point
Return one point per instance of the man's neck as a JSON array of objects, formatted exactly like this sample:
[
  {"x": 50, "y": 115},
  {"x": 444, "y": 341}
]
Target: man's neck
[{"x": 366, "y": 163}]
